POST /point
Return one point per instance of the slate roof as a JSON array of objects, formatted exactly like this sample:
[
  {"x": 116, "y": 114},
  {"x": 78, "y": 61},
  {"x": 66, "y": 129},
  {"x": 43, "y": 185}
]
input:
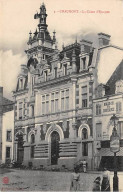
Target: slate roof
[{"x": 117, "y": 75}]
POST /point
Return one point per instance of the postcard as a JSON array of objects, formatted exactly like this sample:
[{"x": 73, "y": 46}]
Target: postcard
[{"x": 61, "y": 95}]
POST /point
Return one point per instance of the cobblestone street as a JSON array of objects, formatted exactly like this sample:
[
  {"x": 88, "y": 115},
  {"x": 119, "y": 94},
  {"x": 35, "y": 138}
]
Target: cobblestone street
[{"x": 30, "y": 180}]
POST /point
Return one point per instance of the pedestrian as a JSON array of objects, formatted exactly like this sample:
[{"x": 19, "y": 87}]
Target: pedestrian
[
  {"x": 75, "y": 180},
  {"x": 84, "y": 166},
  {"x": 96, "y": 185},
  {"x": 105, "y": 186}
]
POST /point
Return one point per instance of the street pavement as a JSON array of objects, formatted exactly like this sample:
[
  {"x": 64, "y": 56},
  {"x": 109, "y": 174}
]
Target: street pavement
[{"x": 33, "y": 180}]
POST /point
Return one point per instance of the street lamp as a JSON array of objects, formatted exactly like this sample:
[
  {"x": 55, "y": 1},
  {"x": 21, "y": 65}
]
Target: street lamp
[{"x": 115, "y": 147}]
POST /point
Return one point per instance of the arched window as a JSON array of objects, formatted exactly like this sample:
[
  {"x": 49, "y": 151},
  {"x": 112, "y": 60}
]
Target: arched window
[
  {"x": 84, "y": 133},
  {"x": 32, "y": 139}
]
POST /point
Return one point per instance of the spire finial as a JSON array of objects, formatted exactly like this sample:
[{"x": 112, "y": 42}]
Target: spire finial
[
  {"x": 36, "y": 32},
  {"x": 30, "y": 33},
  {"x": 54, "y": 38}
]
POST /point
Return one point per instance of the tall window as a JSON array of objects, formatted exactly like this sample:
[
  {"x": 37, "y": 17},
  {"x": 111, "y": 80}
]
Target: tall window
[
  {"x": 43, "y": 104},
  {"x": 52, "y": 103},
  {"x": 118, "y": 107},
  {"x": 119, "y": 86},
  {"x": 62, "y": 101},
  {"x": 20, "y": 110},
  {"x": 84, "y": 134},
  {"x": 32, "y": 139},
  {"x": 55, "y": 70},
  {"x": 98, "y": 109},
  {"x": 56, "y": 102},
  {"x": 45, "y": 75},
  {"x": 65, "y": 100},
  {"x": 84, "y": 97},
  {"x": 32, "y": 107},
  {"x": 84, "y": 149},
  {"x": 98, "y": 131},
  {"x": 84, "y": 63},
  {"x": 43, "y": 107},
  {"x": 47, "y": 103},
  {"x": 43, "y": 56},
  {"x": 21, "y": 83},
  {"x": 120, "y": 129},
  {"x": 7, "y": 152},
  {"x": 25, "y": 111},
  {"x": 9, "y": 136},
  {"x": 65, "y": 69}
]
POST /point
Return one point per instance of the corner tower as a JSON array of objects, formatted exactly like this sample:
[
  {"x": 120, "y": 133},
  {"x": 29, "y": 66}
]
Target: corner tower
[{"x": 40, "y": 45}]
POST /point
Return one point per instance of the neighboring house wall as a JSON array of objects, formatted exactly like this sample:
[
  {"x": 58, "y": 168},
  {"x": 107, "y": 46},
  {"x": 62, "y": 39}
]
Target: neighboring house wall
[
  {"x": 1, "y": 98},
  {"x": 7, "y": 136}
]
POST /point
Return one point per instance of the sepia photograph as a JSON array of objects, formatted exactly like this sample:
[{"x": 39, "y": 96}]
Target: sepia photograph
[{"x": 61, "y": 96}]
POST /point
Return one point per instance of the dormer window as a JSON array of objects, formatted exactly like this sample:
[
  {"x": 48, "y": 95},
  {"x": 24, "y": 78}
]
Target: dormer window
[
  {"x": 55, "y": 71},
  {"x": 21, "y": 83},
  {"x": 45, "y": 75},
  {"x": 84, "y": 63},
  {"x": 119, "y": 87},
  {"x": 65, "y": 69},
  {"x": 43, "y": 56}
]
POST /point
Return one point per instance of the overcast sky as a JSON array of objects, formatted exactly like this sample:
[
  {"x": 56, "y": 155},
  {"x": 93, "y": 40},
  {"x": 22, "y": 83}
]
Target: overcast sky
[{"x": 17, "y": 19}]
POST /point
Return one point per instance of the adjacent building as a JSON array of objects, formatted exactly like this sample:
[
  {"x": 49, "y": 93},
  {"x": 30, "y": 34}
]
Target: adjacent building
[
  {"x": 6, "y": 128},
  {"x": 53, "y": 100},
  {"x": 108, "y": 101}
]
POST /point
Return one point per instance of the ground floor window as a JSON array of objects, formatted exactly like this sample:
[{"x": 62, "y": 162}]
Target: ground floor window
[
  {"x": 85, "y": 149},
  {"x": 7, "y": 152}
]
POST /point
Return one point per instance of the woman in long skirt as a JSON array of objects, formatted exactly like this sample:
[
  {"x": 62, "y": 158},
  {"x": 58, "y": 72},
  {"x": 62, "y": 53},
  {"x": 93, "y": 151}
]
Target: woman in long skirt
[{"x": 105, "y": 187}]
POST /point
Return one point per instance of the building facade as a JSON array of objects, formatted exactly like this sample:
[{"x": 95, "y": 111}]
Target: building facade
[
  {"x": 6, "y": 128},
  {"x": 108, "y": 101},
  {"x": 53, "y": 100}
]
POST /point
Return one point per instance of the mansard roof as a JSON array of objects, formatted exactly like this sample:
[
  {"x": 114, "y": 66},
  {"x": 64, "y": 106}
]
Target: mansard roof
[
  {"x": 117, "y": 75},
  {"x": 7, "y": 105}
]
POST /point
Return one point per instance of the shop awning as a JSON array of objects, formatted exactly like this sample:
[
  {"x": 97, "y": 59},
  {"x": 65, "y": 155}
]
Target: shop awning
[{"x": 107, "y": 152}]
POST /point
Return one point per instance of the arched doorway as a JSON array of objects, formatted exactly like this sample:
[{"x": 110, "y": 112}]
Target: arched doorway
[{"x": 54, "y": 147}]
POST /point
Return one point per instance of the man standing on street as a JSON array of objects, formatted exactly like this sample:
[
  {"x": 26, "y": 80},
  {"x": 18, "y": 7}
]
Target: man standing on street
[{"x": 84, "y": 166}]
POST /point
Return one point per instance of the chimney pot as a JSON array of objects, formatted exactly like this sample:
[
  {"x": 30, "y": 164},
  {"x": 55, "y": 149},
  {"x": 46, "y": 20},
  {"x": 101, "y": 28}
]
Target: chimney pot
[{"x": 104, "y": 39}]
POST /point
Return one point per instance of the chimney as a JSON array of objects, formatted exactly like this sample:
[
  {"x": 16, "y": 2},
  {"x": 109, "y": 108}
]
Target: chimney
[
  {"x": 86, "y": 46},
  {"x": 104, "y": 39}
]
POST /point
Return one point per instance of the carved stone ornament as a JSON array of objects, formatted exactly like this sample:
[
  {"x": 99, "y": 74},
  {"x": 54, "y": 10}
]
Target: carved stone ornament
[
  {"x": 64, "y": 125},
  {"x": 74, "y": 125},
  {"x": 44, "y": 128},
  {"x": 84, "y": 121},
  {"x": 53, "y": 126}
]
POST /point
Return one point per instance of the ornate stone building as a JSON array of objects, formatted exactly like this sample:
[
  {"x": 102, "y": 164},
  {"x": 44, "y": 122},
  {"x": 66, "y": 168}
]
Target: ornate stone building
[{"x": 53, "y": 100}]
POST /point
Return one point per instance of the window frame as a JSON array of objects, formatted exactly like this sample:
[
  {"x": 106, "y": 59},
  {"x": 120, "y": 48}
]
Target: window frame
[{"x": 9, "y": 140}]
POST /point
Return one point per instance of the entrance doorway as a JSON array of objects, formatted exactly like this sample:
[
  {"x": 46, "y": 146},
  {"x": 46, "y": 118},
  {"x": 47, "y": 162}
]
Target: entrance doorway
[
  {"x": 54, "y": 148},
  {"x": 20, "y": 149}
]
